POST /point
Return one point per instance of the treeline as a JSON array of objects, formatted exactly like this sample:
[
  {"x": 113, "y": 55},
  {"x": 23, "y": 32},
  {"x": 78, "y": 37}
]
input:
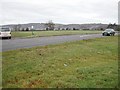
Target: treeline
[
  {"x": 114, "y": 26},
  {"x": 51, "y": 26}
]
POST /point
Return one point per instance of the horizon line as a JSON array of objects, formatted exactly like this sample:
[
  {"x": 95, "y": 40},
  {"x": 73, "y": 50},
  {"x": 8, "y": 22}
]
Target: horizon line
[{"x": 54, "y": 23}]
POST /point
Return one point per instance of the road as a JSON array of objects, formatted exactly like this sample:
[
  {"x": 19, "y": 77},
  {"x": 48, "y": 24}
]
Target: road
[{"x": 42, "y": 41}]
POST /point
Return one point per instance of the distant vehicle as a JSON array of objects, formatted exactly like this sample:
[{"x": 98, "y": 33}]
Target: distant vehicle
[
  {"x": 5, "y": 33},
  {"x": 108, "y": 32}
]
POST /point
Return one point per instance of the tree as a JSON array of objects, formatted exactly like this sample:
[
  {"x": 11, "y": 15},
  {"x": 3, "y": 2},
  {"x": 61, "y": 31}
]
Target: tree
[
  {"x": 22, "y": 29},
  {"x": 74, "y": 28},
  {"x": 67, "y": 28},
  {"x": 50, "y": 25},
  {"x": 109, "y": 26},
  {"x": 118, "y": 28},
  {"x": 101, "y": 29},
  {"x": 113, "y": 26},
  {"x": 17, "y": 27},
  {"x": 27, "y": 29}
]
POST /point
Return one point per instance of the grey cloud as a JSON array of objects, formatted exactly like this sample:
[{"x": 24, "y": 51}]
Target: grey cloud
[{"x": 63, "y": 11}]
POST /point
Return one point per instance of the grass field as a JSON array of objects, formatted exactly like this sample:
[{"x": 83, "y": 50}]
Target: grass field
[
  {"x": 50, "y": 33},
  {"x": 82, "y": 64}
]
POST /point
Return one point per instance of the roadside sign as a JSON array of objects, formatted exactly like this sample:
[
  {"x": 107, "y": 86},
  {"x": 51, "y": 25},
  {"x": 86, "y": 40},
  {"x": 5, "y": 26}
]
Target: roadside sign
[{"x": 32, "y": 30}]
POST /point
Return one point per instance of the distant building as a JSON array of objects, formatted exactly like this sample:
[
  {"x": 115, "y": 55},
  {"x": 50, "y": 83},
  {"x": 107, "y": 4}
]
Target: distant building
[{"x": 119, "y": 12}]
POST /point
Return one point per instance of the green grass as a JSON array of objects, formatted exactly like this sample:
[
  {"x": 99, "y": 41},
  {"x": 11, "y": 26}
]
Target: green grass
[
  {"x": 50, "y": 33},
  {"x": 82, "y": 64}
]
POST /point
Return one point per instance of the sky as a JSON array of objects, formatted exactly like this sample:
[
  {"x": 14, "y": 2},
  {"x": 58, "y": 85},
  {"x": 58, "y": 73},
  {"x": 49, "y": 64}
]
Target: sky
[{"x": 59, "y": 11}]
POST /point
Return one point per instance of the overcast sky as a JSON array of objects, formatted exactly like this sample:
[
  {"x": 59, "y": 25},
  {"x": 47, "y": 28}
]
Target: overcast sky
[{"x": 59, "y": 11}]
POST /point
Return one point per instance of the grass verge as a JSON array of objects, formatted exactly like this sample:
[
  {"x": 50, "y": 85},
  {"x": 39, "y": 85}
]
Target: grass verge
[
  {"x": 23, "y": 34},
  {"x": 81, "y": 64}
]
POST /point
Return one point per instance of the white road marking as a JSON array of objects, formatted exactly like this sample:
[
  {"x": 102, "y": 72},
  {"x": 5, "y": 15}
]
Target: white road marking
[{"x": 85, "y": 35}]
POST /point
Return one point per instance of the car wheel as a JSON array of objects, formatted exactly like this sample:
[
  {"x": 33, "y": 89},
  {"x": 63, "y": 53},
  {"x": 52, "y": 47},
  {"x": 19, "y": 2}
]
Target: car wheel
[{"x": 103, "y": 34}]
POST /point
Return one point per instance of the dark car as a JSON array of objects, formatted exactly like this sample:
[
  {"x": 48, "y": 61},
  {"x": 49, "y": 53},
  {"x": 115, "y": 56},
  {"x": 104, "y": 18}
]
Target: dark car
[{"x": 108, "y": 32}]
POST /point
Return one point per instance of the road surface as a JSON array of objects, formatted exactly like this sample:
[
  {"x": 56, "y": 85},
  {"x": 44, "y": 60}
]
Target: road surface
[{"x": 13, "y": 44}]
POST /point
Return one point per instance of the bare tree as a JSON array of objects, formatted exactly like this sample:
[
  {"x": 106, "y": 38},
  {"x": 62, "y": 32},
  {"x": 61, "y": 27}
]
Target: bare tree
[
  {"x": 50, "y": 25},
  {"x": 17, "y": 27}
]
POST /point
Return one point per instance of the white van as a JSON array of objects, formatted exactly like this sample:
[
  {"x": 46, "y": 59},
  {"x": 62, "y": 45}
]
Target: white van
[{"x": 5, "y": 33}]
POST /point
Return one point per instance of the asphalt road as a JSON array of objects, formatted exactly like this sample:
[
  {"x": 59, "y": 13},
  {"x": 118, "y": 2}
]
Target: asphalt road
[{"x": 13, "y": 44}]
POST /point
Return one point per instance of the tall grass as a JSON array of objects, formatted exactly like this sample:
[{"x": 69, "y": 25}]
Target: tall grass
[{"x": 81, "y": 64}]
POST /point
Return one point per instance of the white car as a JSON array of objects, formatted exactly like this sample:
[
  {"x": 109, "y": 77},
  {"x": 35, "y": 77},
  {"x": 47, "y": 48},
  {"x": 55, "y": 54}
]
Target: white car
[{"x": 5, "y": 33}]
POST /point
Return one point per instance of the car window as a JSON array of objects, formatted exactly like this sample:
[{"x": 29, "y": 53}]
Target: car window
[
  {"x": 108, "y": 30},
  {"x": 4, "y": 29}
]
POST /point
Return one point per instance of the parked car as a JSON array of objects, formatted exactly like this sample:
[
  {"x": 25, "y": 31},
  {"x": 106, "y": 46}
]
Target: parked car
[
  {"x": 5, "y": 33},
  {"x": 108, "y": 32}
]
